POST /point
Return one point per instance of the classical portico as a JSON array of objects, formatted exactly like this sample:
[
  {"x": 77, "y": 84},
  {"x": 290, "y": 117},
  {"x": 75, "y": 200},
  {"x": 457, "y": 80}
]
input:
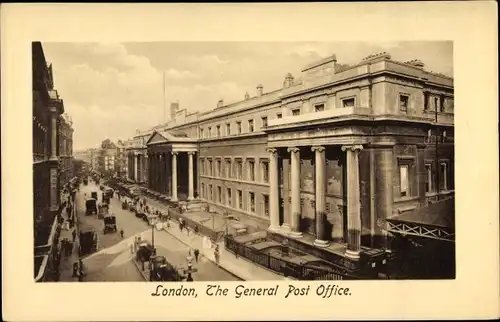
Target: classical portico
[
  {"x": 304, "y": 174},
  {"x": 172, "y": 166}
]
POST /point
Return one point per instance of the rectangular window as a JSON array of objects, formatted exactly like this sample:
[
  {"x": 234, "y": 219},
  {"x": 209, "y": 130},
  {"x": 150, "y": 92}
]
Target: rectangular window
[
  {"x": 443, "y": 172},
  {"x": 251, "y": 170},
  {"x": 403, "y": 103},
  {"x": 319, "y": 107},
  {"x": 426, "y": 101},
  {"x": 239, "y": 170},
  {"x": 348, "y": 102},
  {"x": 296, "y": 112},
  {"x": 203, "y": 190},
  {"x": 209, "y": 132},
  {"x": 265, "y": 171},
  {"x": 279, "y": 115},
  {"x": 228, "y": 197},
  {"x": 436, "y": 103},
  {"x": 404, "y": 180},
  {"x": 240, "y": 199},
  {"x": 228, "y": 168},
  {"x": 251, "y": 199},
  {"x": 250, "y": 126},
  {"x": 228, "y": 129},
  {"x": 238, "y": 126},
  {"x": 210, "y": 167},
  {"x": 264, "y": 121},
  {"x": 441, "y": 103},
  {"x": 428, "y": 178},
  {"x": 219, "y": 169},
  {"x": 202, "y": 166},
  {"x": 201, "y": 133},
  {"x": 219, "y": 194},
  {"x": 218, "y": 131},
  {"x": 266, "y": 205},
  {"x": 210, "y": 192}
]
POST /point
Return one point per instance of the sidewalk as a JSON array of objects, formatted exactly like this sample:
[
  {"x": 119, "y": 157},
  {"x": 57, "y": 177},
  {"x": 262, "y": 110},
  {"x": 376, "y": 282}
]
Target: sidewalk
[
  {"x": 240, "y": 267},
  {"x": 66, "y": 265}
]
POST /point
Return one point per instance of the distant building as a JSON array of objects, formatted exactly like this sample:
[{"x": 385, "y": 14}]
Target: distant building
[
  {"x": 65, "y": 147},
  {"x": 328, "y": 160}
]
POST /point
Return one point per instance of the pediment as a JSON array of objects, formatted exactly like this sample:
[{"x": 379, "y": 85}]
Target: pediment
[{"x": 156, "y": 138}]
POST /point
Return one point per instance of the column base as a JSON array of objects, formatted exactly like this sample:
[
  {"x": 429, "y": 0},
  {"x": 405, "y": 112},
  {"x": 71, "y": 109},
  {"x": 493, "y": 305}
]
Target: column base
[
  {"x": 295, "y": 234},
  {"x": 274, "y": 228},
  {"x": 284, "y": 228},
  {"x": 174, "y": 199},
  {"x": 190, "y": 198},
  {"x": 352, "y": 254},
  {"x": 321, "y": 243}
]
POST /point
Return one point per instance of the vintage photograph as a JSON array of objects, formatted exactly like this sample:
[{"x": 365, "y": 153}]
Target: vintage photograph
[{"x": 243, "y": 161}]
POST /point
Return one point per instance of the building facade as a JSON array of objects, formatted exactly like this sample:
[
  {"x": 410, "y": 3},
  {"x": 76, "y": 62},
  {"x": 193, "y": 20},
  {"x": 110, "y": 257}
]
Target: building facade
[
  {"x": 51, "y": 163},
  {"x": 327, "y": 158},
  {"x": 65, "y": 146},
  {"x": 137, "y": 158}
]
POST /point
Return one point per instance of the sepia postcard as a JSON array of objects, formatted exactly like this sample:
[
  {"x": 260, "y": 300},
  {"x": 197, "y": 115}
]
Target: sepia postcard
[{"x": 221, "y": 161}]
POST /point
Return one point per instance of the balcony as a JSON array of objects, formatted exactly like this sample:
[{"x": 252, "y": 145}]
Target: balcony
[{"x": 323, "y": 116}]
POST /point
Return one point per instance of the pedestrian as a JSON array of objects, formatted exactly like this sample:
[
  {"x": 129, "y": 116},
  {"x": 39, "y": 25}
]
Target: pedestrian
[
  {"x": 189, "y": 260},
  {"x": 189, "y": 278},
  {"x": 180, "y": 225},
  {"x": 196, "y": 254},
  {"x": 74, "y": 235},
  {"x": 121, "y": 232}
]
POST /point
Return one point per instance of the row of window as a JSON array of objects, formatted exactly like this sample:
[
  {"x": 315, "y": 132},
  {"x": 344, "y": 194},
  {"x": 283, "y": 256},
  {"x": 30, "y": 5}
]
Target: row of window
[
  {"x": 404, "y": 103},
  {"x": 243, "y": 170},
  {"x": 208, "y": 193},
  {"x": 407, "y": 175},
  {"x": 439, "y": 102}
]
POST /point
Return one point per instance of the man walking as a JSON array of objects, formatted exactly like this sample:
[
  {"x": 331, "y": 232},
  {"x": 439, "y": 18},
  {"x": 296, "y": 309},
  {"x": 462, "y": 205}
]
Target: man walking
[
  {"x": 196, "y": 254},
  {"x": 122, "y": 233}
]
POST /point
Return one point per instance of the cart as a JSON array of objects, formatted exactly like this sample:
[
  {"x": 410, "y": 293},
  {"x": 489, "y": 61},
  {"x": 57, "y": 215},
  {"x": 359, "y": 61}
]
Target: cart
[
  {"x": 110, "y": 224},
  {"x": 89, "y": 240},
  {"x": 103, "y": 210}
]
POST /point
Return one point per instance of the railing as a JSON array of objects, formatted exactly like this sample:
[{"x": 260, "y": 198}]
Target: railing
[
  {"x": 197, "y": 227},
  {"x": 281, "y": 266}
]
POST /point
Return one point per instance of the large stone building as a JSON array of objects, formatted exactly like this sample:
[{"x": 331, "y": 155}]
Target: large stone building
[
  {"x": 52, "y": 153},
  {"x": 325, "y": 160},
  {"x": 137, "y": 157}
]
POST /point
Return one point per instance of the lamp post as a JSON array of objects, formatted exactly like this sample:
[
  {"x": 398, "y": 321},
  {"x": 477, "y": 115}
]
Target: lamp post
[{"x": 153, "y": 235}]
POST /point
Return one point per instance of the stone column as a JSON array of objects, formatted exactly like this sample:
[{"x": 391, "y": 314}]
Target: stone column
[
  {"x": 320, "y": 198},
  {"x": 353, "y": 201},
  {"x": 296, "y": 211},
  {"x": 136, "y": 161},
  {"x": 161, "y": 172},
  {"x": 191, "y": 176},
  {"x": 53, "y": 137},
  {"x": 174, "y": 176},
  {"x": 274, "y": 221}
]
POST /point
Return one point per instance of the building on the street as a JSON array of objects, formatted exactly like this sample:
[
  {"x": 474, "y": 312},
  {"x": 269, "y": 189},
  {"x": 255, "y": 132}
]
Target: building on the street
[
  {"x": 65, "y": 148},
  {"x": 121, "y": 160},
  {"x": 94, "y": 155},
  {"x": 137, "y": 157},
  {"x": 49, "y": 174},
  {"x": 329, "y": 160},
  {"x": 107, "y": 159}
]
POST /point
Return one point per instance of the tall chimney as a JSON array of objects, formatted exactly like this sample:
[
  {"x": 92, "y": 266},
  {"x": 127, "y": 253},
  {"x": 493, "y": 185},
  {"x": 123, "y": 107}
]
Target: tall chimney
[
  {"x": 220, "y": 103},
  {"x": 247, "y": 96},
  {"x": 260, "y": 89}
]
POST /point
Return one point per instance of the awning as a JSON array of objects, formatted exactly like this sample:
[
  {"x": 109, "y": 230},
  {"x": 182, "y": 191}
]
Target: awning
[{"x": 435, "y": 221}]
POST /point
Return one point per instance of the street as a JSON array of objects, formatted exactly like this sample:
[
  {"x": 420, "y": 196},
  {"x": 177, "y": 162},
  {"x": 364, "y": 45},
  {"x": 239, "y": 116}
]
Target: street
[{"x": 112, "y": 261}]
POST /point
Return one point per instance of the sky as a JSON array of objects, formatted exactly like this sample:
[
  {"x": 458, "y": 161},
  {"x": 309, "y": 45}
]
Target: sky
[{"x": 110, "y": 90}]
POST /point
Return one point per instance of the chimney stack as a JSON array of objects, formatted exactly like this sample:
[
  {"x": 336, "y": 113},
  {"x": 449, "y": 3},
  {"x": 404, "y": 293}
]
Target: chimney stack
[
  {"x": 288, "y": 80},
  {"x": 260, "y": 90},
  {"x": 220, "y": 103},
  {"x": 174, "y": 107},
  {"x": 247, "y": 96}
]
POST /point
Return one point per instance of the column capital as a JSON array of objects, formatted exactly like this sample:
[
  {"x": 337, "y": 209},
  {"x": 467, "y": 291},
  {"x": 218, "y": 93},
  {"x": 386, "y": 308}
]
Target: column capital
[
  {"x": 174, "y": 152},
  {"x": 191, "y": 152},
  {"x": 272, "y": 150},
  {"x": 353, "y": 148},
  {"x": 293, "y": 149},
  {"x": 318, "y": 148}
]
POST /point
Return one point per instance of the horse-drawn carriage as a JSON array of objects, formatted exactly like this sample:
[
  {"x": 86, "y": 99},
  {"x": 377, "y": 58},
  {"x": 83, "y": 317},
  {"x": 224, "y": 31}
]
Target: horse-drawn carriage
[
  {"x": 161, "y": 270},
  {"x": 89, "y": 240},
  {"x": 110, "y": 224},
  {"x": 103, "y": 210}
]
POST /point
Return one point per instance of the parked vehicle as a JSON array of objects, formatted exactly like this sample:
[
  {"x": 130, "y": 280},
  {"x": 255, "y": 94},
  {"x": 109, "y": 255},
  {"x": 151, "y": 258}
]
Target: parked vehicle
[
  {"x": 91, "y": 206},
  {"x": 103, "y": 210},
  {"x": 93, "y": 194},
  {"x": 110, "y": 224},
  {"x": 89, "y": 240}
]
